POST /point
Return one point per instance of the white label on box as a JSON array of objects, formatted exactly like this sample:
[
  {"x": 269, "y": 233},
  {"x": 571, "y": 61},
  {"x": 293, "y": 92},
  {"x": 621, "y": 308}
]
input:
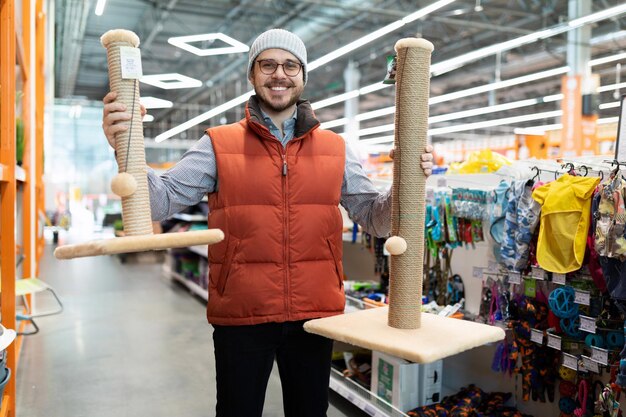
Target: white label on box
[
  {"x": 600, "y": 355},
  {"x": 538, "y": 273},
  {"x": 442, "y": 182},
  {"x": 536, "y": 336},
  {"x": 587, "y": 324},
  {"x": 554, "y": 341},
  {"x": 558, "y": 278},
  {"x": 570, "y": 361},
  {"x": 477, "y": 272},
  {"x": 130, "y": 59},
  {"x": 582, "y": 297},
  {"x": 590, "y": 365},
  {"x": 493, "y": 266},
  {"x": 515, "y": 278}
]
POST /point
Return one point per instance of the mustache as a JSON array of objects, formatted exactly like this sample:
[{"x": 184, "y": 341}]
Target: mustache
[{"x": 279, "y": 84}]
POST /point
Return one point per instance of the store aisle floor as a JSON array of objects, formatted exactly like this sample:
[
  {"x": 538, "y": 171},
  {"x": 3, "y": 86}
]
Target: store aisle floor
[{"x": 130, "y": 343}]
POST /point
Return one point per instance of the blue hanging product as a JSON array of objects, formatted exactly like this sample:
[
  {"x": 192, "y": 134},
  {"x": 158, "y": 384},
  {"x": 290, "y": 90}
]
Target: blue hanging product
[
  {"x": 615, "y": 340},
  {"x": 595, "y": 340},
  {"x": 561, "y": 301},
  {"x": 571, "y": 327}
]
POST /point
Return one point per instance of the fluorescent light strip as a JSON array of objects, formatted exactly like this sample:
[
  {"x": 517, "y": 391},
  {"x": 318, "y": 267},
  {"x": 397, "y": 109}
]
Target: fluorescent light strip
[
  {"x": 310, "y": 67},
  {"x": 171, "y": 81},
  {"x": 155, "y": 103},
  {"x": 607, "y": 59},
  {"x": 148, "y": 118},
  {"x": 594, "y": 17},
  {"x": 540, "y": 130},
  {"x": 452, "y": 63},
  {"x": 100, "y": 7},
  {"x": 205, "y": 116},
  {"x": 611, "y": 105},
  {"x": 495, "y": 122},
  {"x": 183, "y": 42},
  {"x": 611, "y": 87}
]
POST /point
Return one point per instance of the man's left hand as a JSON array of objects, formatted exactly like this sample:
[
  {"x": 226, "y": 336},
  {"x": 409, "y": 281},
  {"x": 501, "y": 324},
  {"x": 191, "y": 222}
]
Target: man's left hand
[{"x": 427, "y": 160}]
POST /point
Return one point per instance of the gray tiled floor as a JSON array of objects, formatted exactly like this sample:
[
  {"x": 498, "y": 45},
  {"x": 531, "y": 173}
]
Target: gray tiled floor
[{"x": 130, "y": 343}]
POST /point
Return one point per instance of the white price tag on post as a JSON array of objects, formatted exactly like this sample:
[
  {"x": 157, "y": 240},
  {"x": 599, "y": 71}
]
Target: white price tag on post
[
  {"x": 536, "y": 336},
  {"x": 570, "y": 361},
  {"x": 538, "y": 273},
  {"x": 590, "y": 365},
  {"x": 477, "y": 272},
  {"x": 554, "y": 341},
  {"x": 582, "y": 297},
  {"x": 515, "y": 278},
  {"x": 588, "y": 324},
  {"x": 558, "y": 278},
  {"x": 130, "y": 60},
  {"x": 600, "y": 355}
]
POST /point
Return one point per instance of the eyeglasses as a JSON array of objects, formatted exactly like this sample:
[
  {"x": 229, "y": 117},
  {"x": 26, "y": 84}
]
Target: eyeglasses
[{"x": 269, "y": 66}]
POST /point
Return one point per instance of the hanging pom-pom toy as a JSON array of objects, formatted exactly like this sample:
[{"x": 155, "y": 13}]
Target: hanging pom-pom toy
[
  {"x": 395, "y": 245},
  {"x": 123, "y": 184}
]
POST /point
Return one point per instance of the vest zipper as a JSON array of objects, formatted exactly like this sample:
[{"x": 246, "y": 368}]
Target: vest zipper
[{"x": 286, "y": 232}]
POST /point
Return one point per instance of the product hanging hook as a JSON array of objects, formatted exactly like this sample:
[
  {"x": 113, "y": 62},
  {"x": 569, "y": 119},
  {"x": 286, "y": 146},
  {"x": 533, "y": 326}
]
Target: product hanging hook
[{"x": 536, "y": 176}]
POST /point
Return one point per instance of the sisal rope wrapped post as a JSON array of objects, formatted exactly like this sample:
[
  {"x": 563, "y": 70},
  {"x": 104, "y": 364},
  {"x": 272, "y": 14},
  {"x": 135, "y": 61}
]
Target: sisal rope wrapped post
[
  {"x": 409, "y": 183},
  {"x": 132, "y": 183}
]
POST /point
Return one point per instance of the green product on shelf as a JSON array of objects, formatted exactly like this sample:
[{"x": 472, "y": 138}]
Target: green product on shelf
[{"x": 19, "y": 140}]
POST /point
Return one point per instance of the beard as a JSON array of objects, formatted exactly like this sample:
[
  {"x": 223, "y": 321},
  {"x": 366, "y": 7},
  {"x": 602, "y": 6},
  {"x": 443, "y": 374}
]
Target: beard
[{"x": 280, "y": 104}]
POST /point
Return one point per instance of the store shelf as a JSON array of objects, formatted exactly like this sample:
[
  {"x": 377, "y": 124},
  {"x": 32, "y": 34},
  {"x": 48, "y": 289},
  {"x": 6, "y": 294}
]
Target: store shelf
[
  {"x": 200, "y": 250},
  {"x": 193, "y": 287},
  {"x": 362, "y": 398},
  {"x": 190, "y": 217},
  {"x": 20, "y": 174}
]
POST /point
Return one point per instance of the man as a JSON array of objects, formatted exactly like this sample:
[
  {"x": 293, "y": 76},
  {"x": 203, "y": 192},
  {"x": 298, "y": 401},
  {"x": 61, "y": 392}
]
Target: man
[{"x": 275, "y": 181}]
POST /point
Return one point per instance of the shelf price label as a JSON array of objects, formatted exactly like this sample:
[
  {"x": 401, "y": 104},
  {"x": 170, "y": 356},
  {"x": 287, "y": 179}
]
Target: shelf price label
[
  {"x": 493, "y": 266},
  {"x": 536, "y": 336},
  {"x": 558, "y": 278},
  {"x": 515, "y": 278},
  {"x": 538, "y": 273},
  {"x": 590, "y": 365},
  {"x": 554, "y": 341},
  {"x": 477, "y": 272},
  {"x": 588, "y": 324},
  {"x": 600, "y": 355},
  {"x": 582, "y": 297},
  {"x": 570, "y": 361}
]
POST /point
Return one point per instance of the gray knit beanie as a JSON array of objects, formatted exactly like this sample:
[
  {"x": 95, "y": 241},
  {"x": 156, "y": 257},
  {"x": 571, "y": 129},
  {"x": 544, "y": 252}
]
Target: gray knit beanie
[{"x": 279, "y": 39}]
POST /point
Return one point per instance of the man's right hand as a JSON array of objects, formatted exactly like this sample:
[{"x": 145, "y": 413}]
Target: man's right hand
[{"x": 114, "y": 117}]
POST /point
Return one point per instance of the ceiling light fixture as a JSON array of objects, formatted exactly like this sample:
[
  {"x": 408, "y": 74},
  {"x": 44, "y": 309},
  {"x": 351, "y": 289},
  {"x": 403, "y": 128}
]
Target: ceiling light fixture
[
  {"x": 607, "y": 59},
  {"x": 171, "y": 81},
  {"x": 611, "y": 105},
  {"x": 155, "y": 103},
  {"x": 100, "y": 7},
  {"x": 148, "y": 118},
  {"x": 183, "y": 42}
]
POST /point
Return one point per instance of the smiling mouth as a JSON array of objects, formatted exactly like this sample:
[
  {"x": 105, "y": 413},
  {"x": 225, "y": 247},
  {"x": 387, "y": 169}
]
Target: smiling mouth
[{"x": 278, "y": 88}]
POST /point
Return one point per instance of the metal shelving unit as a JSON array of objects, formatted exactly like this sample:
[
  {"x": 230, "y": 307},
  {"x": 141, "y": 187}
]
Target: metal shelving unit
[{"x": 193, "y": 287}]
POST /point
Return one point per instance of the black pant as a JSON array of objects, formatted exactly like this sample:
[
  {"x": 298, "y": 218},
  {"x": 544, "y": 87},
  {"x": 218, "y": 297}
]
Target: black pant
[{"x": 244, "y": 356}]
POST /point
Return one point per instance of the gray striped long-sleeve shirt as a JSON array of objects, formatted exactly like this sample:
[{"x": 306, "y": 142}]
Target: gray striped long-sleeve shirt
[{"x": 196, "y": 174}]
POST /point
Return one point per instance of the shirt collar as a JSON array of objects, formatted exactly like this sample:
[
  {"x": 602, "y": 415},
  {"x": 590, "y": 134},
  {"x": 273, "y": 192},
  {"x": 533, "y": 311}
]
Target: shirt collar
[{"x": 288, "y": 124}]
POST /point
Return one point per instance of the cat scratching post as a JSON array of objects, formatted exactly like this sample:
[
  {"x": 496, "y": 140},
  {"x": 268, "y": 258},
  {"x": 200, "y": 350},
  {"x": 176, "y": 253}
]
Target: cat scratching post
[
  {"x": 402, "y": 329},
  {"x": 131, "y": 183}
]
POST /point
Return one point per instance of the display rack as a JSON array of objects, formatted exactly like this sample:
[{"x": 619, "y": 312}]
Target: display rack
[{"x": 21, "y": 188}]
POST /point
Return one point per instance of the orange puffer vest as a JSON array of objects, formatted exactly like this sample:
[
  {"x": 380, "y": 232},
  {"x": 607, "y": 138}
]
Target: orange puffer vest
[{"x": 281, "y": 259}]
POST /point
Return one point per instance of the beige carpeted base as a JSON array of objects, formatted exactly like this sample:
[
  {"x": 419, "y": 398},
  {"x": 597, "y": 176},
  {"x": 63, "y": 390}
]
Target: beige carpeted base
[
  {"x": 139, "y": 243},
  {"x": 437, "y": 338}
]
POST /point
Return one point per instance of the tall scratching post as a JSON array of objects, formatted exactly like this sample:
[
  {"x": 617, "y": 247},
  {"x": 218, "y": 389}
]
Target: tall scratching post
[
  {"x": 129, "y": 144},
  {"x": 401, "y": 329},
  {"x": 131, "y": 182},
  {"x": 409, "y": 182}
]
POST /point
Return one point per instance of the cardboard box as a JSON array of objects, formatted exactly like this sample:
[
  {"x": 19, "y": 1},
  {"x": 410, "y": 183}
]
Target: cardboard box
[{"x": 404, "y": 384}]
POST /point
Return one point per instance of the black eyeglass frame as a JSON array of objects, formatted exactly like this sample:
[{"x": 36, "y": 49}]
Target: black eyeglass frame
[{"x": 260, "y": 61}]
